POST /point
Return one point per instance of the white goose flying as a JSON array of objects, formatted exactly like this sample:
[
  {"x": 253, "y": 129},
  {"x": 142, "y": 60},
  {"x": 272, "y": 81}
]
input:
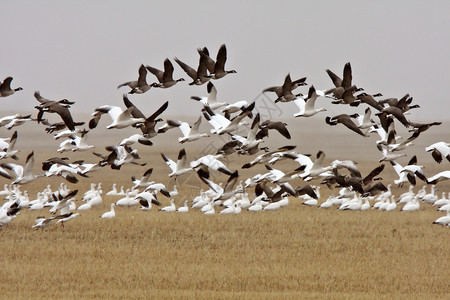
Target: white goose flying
[
  {"x": 306, "y": 104},
  {"x": 211, "y": 99},
  {"x": 179, "y": 167},
  {"x": 190, "y": 134},
  {"x": 23, "y": 173},
  {"x": 223, "y": 125}
]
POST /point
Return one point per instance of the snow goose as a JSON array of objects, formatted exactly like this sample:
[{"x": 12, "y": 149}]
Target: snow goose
[
  {"x": 120, "y": 119},
  {"x": 442, "y": 201},
  {"x": 179, "y": 167},
  {"x": 23, "y": 173},
  {"x": 66, "y": 218},
  {"x": 199, "y": 76},
  {"x": 268, "y": 156},
  {"x": 5, "y": 87},
  {"x": 42, "y": 222},
  {"x": 251, "y": 141},
  {"x": 109, "y": 214},
  {"x": 316, "y": 169},
  {"x": 170, "y": 208},
  {"x": 444, "y": 175},
  {"x": 392, "y": 205},
  {"x": 19, "y": 121},
  {"x": 127, "y": 201},
  {"x": 328, "y": 203},
  {"x": 190, "y": 134},
  {"x": 136, "y": 138},
  {"x": 165, "y": 78},
  {"x": 211, "y": 99},
  {"x": 121, "y": 155},
  {"x": 444, "y": 221},
  {"x": 235, "y": 107},
  {"x": 222, "y": 193},
  {"x": 365, "y": 121},
  {"x": 439, "y": 150},
  {"x": 413, "y": 205},
  {"x": 183, "y": 208},
  {"x": 388, "y": 155},
  {"x": 146, "y": 199},
  {"x": 306, "y": 105},
  {"x": 432, "y": 196},
  {"x": 113, "y": 191},
  {"x": 223, "y": 125},
  {"x": 10, "y": 151},
  {"x": 144, "y": 181}
]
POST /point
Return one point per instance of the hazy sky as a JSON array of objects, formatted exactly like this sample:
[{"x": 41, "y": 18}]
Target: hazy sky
[{"x": 81, "y": 50}]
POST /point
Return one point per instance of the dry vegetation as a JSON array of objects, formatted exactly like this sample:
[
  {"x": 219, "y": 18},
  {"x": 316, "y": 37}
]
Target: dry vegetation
[{"x": 295, "y": 252}]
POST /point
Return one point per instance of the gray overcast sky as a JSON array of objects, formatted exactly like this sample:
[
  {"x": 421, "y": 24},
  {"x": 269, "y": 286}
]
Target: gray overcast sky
[{"x": 81, "y": 50}]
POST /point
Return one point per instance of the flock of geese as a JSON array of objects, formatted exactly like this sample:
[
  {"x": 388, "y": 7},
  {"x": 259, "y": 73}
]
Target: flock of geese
[{"x": 243, "y": 130}]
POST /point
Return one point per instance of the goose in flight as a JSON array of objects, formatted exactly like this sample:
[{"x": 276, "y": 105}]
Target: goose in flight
[
  {"x": 5, "y": 88},
  {"x": 165, "y": 77},
  {"x": 287, "y": 87},
  {"x": 210, "y": 161},
  {"x": 190, "y": 134},
  {"x": 199, "y": 76},
  {"x": 9, "y": 151},
  {"x": 121, "y": 155},
  {"x": 217, "y": 68},
  {"x": 223, "y": 125},
  {"x": 23, "y": 173},
  {"x": 341, "y": 86},
  {"x": 148, "y": 126},
  {"x": 120, "y": 119},
  {"x": 135, "y": 83},
  {"x": 222, "y": 193},
  {"x": 439, "y": 150},
  {"x": 444, "y": 175},
  {"x": 60, "y": 107},
  {"x": 345, "y": 120},
  {"x": 211, "y": 99},
  {"x": 316, "y": 169},
  {"x": 179, "y": 167},
  {"x": 306, "y": 105}
]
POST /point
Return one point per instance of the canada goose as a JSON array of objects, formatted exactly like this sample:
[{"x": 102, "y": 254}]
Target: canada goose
[
  {"x": 5, "y": 88},
  {"x": 200, "y": 76},
  {"x": 345, "y": 120},
  {"x": 370, "y": 100},
  {"x": 140, "y": 86},
  {"x": 306, "y": 105},
  {"x": 211, "y": 99},
  {"x": 397, "y": 113},
  {"x": 439, "y": 150},
  {"x": 60, "y": 107},
  {"x": 134, "y": 84},
  {"x": 165, "y": 78},
  {"x": 278, "y": 90},
  {"x": 342, "y": 85},
  {"x": 148, "y": 126},
  {"x": 268, "y": 125},
  {"x": 217, "y": 69},
  {"x": 109, "y": 214},
  {"x": 52, "y": 127},
  {"x": 267, "y": 156},
  {"x": 179, "y": 167},
  {"x": 286, "y": 91},
  {"x": 23, "y": 173}
]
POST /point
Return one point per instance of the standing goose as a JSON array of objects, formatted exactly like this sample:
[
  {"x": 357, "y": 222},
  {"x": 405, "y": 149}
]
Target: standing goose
[
  {"x": 5, "y": 88},
  {"x": 165, "y": 78},
  {"x": 109, "y": 214}
]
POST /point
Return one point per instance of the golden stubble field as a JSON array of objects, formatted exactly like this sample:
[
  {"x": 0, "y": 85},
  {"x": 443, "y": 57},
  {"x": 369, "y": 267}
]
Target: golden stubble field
[{"x": 296, "y": 252}]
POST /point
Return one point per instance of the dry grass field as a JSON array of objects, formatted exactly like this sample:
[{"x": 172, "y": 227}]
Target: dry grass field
[{"x": 296, "y": 252}]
